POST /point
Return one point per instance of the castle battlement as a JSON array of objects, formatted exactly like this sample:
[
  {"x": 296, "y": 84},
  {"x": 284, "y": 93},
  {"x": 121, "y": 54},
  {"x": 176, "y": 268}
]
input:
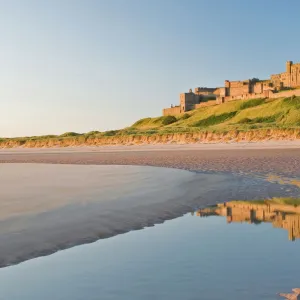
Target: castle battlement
[
  {"x": 280, "y": 215},
  {"x": 244, "y": 89}
]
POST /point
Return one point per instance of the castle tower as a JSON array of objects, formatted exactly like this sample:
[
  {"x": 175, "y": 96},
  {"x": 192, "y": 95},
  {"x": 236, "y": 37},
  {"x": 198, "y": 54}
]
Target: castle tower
[
  {"x": 289, "y": 66},
  {"x": 289, "y": 71}
]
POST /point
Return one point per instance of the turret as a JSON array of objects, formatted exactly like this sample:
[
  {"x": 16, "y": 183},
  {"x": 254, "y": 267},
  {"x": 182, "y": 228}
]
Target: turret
[{"x": 289, "y": 66}]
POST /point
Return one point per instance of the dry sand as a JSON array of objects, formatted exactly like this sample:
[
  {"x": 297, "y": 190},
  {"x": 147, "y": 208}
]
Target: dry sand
[{"x": 48, "y": 207}]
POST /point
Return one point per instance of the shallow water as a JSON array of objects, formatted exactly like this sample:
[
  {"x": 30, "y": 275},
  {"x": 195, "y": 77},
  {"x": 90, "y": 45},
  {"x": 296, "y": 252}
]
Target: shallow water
[
  {"x": 190, "y": 257},
  {"x": 46, "y": 208},
  {"x": 57, "y": 207}
]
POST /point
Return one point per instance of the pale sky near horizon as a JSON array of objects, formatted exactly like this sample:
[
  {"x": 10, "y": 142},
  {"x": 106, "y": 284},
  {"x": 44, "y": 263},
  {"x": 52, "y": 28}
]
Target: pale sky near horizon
[{"x": 70, "y": 65}]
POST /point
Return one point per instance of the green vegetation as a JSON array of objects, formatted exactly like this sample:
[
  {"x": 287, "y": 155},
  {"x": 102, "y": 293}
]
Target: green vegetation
[
  {"x": 154, "y": 122},
  {"x": 251, "y": 103},
  {"x": 185, "y": 116},
  {"x": 287, "y": 201},
  {"x": 68, "y": 134},
  {"x": 232, "y": 118},
  {"x": 280, "y": 201},
  {"x": 242, "y": 115},
  {"x": 214, "y": 119}
]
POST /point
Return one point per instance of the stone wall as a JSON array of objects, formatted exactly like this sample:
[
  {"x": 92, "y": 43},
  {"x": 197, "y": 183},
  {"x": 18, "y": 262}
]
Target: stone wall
[
  {"x": 188, "y": 101},
  {"x": 241, "y": 97},
  {"x": 258, "y": 88},
  {"x": 295, "y": 75},
  {"x": 276, "y": 80},
  {"x": 280, "y": 215},
  {"x": 266, "y": 94},
  {"x": 284, "y": 94},
  {"x": 241, "y": 90},
  {"x": 237, "y": 88},
  {"x": 172, "y": 111},
  {"x": 290, "y": 78},
  {"x": 204, "y": 91}
]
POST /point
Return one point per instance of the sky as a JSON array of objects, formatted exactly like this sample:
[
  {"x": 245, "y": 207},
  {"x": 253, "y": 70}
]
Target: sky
[{"x": 83, "y": 65}]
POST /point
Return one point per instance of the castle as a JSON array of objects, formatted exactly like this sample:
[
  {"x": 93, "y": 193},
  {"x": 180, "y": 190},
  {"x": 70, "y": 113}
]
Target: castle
[
  {"x": 281, "y": 216},
  {"x": 279, "y": 85}
]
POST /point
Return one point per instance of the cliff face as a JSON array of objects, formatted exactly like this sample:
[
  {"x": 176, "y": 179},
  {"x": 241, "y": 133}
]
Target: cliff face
[{"x": 167, "y": 138}]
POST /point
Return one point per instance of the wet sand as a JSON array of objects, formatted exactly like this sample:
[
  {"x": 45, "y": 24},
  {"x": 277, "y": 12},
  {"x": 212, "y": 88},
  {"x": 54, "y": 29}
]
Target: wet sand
[
  {"x": 279, "y": 158},
  {"x": 69, "y": 199}
]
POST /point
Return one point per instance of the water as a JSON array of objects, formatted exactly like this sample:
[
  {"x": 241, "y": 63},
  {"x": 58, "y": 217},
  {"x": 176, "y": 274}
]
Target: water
[
  {"x": 187, "y": 258},
  {"x": 191, "y": 257}
]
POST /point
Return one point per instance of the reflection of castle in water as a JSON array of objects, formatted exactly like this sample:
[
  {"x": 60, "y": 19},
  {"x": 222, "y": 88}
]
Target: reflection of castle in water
[
  {"x": 280, "y": 215},
  {"x": 294, "y": 296}
]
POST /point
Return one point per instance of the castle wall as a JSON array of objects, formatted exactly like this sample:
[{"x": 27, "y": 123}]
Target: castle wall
[
  {"x": 258, "y": 88},
  {"x": 241, "y": 97},
  {"x": 284, "y": 94},
  {"x": 172, "y": 111},
  {"x": 276, "y": 80},
  {"x": 204, "y": 91},
  {"x": 236, "y": 88},
  {"x": 280, "y": 215},
  {"x": 188, "y": 101},
  {"x": 266, "y": 94},
  {"x": 285, "y": 79},
  {"x": 290, "y": 78},
  {"x": 246, "y": 89},
  {"x": 295, "y": 75}
]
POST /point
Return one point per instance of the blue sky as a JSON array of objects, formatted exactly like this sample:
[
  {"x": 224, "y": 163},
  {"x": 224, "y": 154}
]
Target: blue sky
[{"x": 72, "y": 65}]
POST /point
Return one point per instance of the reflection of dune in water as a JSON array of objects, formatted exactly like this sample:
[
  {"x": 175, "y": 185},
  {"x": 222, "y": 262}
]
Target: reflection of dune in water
[{"x": 281, "y": 212}]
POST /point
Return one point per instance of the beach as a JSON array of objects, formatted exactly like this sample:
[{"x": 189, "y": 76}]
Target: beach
[
  {"x": 273, "y": 157},
  {"x": 54, "y": 199}
]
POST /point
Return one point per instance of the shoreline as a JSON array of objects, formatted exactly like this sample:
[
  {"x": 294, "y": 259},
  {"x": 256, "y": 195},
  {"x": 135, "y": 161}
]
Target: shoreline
[{"x": 60, "y": 206}]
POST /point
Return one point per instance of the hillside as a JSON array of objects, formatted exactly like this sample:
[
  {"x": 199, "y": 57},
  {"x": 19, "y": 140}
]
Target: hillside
[
  {"x": 256, "y": 119},
  {"x": 235, "y": 115}
]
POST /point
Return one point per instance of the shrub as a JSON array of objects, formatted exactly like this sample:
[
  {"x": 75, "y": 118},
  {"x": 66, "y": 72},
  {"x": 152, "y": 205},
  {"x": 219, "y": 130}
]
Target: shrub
[
  {"x": 68, "y": 134},
  {"x": 245, "y": 121},
  {"x": 168, "y": 120},
  {"x": 93, "y": 132},
  {"x": 110, "y": 133},
  {"x": 251, "y": 103},
  {"x": 213, "y": 120},
  {"x": 268, "y": 119},
  {"x": 253, "y": 126},
  {"x": 150, "y": 132},
  {"x": 185, "y": 116},
  {"x": 292, "y": 101}
]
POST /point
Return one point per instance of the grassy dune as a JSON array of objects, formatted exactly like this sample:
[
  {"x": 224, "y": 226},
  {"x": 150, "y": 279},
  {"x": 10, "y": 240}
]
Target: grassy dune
[
  {"x": 240, "y": 115},
  {"x": 256, "y": 119}
]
